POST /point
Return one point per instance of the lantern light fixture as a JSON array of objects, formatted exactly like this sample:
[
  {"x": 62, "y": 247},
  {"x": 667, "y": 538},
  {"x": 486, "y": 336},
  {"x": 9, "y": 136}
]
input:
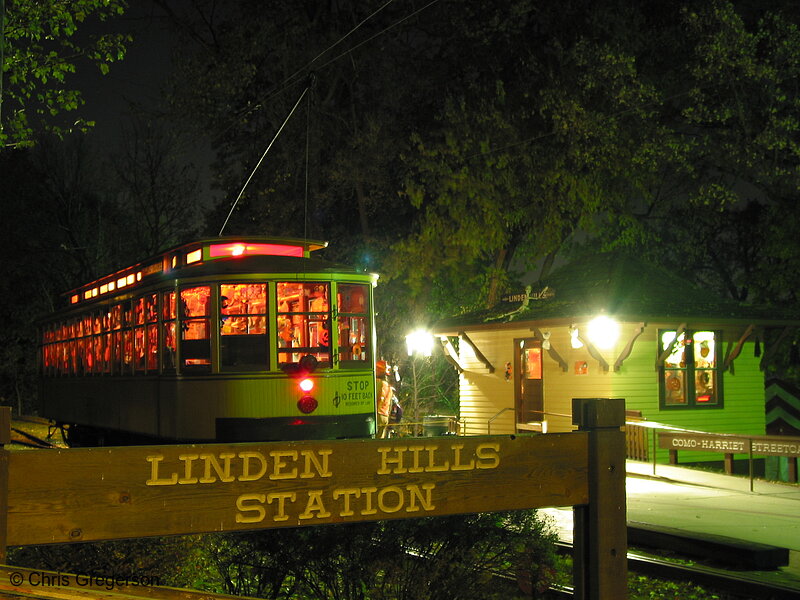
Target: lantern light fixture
[
  {"x": 419, "y": 342},
  {"x": 603, "y": 332}
]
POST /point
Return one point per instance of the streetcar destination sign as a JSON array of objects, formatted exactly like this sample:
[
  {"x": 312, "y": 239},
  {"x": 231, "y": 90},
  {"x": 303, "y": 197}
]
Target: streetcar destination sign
[{"x": 178, "y": 489}]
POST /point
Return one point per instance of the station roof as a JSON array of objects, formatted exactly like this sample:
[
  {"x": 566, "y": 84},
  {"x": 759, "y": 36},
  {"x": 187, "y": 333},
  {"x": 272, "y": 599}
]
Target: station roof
[{"x": 623, "y": 287}]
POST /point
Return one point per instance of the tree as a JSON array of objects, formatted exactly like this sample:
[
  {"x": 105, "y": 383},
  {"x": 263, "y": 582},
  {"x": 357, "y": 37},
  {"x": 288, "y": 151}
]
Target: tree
[
  {"x": 461, "y": 152},
  {"x": 176, "y": 561},
  {"x": 647, "y": 127},
  {"x": 40, "y": 49},
  {"x": 414, "y": 559},
  {"x": 58, "y": 228},
  {"x": 541, "y": 143},
  {"x": 158, "y": 191},
  {"x": 332, "y": 172},
  {"x": 63, "y": 223}
]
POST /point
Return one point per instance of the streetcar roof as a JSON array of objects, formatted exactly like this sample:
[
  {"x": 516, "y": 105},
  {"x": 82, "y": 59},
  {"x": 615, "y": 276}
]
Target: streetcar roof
[{"x": 220, "y": 255}]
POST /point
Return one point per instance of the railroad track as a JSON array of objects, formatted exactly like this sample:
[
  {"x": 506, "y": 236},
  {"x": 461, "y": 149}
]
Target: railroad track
[
  {"x": 21, "y": 437},
  {"x": 735, "y": 584},
  {"x": 26, "y": 439}
]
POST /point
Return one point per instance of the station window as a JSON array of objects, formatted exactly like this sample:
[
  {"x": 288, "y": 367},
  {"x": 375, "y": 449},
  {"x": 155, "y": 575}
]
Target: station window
[
  {"x": 353, "y": 324},
  {"x": 303, "y": 322},
  {"x": 195, "y": 329},
  {"x": 243, "y": 326},
  {"x": 690, "y": 376}
]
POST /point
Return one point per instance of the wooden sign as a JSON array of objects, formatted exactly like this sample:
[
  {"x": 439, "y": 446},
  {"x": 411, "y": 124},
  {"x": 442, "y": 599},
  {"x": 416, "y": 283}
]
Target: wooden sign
[
  {"x": 730, "y": 444},
  {"x": 86, "y": 494},
  {"x": 705, "y": 442},
  {"x": 89, "y": 494}
]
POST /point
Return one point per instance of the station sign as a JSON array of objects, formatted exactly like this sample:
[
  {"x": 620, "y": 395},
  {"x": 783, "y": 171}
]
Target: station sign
[
  {"x": 730, "y": 444},
  {"x": 89, "y": 494}
]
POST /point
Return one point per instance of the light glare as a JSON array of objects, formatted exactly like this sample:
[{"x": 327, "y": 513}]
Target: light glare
[
  {"x": 419, "y": 342},
  {"x": 603, "y": 332}
]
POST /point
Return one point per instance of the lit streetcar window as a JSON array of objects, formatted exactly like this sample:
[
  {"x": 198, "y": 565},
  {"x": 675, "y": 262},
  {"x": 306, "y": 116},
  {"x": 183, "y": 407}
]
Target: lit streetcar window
[
  {"x": 353, "y": 324},
  {"x": 170, "y": 347},
  {"x": 195, "y": 329},
  {"x": 243, "y": 327},
  {"x": 304, "y": 322}
]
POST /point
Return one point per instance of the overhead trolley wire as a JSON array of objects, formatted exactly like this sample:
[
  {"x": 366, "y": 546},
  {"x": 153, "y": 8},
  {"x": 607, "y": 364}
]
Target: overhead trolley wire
[
  {"x": 288, "y": 81},
  {"x": 309, "y": 84},
  {"x": 339, "y": 41},
  {"x": 381, "y": 32}
]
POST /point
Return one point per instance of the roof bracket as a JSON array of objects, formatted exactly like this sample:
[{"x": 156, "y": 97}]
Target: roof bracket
[
  {"x": 450, "y": 353},
  {"x": 733, "y": 354},
  {"x": 478, "y": 354},
  {"x": 594, "y": 353},
  {"x": 668, "y": 350},
  {"x": 626, "y": 352},
  {"x": 550, "y": 350}
]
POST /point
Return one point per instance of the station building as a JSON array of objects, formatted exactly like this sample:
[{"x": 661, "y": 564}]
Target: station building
[{"x": 614, "y": 326}]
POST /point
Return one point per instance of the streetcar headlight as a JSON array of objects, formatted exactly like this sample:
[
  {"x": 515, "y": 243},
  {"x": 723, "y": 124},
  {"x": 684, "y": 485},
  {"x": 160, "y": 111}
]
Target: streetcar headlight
[{"x": 306, "y": 384}]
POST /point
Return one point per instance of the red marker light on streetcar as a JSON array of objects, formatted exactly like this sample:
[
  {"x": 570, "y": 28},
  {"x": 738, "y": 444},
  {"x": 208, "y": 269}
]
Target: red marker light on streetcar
[
  {"x": 306, "y": 385},
  {"x": 307, "y": 404}
]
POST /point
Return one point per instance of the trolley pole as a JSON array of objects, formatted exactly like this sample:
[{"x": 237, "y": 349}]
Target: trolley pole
[{"x": 600, "y": 562}]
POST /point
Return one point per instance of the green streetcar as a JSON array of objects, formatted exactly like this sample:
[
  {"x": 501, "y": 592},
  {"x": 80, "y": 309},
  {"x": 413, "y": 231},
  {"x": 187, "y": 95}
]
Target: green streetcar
[{"x": 225, "y": 339}]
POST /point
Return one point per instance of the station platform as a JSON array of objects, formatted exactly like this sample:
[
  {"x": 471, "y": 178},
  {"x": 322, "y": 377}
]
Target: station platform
[{"x": 715, "y": 504}]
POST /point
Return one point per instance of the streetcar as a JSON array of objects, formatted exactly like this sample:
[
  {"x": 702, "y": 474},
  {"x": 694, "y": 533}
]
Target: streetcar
[{"x": 223, "y": 339}]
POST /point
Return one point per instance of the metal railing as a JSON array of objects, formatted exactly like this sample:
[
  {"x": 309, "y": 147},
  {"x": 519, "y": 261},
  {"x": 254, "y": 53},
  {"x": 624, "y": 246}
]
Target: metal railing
[{"x": 491, "y": 420}]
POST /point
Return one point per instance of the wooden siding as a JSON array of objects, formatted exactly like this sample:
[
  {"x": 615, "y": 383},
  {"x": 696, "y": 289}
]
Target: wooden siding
[
  {"x": 743, "y": 396},
  {"x": 485, "y": 395},
  {"x": 562, "y": 386}
]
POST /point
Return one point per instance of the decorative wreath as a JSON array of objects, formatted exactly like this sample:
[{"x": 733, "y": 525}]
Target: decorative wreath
[
  {"x": 356, "y": 350},
  {"x": 673, "y": 383}
]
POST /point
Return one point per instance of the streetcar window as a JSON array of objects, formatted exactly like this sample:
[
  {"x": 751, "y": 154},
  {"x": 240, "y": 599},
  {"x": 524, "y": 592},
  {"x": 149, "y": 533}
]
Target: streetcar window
[
  {"x": 169, "y": 306},
  {"x": 243, "y": 326},
  {"x": 116, "y": 317},
  {"x": 102, "y": 342},
  {"x": 353, "y": 324},
  {"x": 139, "y": 348},
  {"x": 303, "y": 322},
  {"x": 170, "y": 344},
  {"x": 195, "y": 329},
  {"x": 152, "y": 347},
  {"x": 150, "y": 335},
  {"x": 121, "y": 339},
  {"x": 145, "y": 333}
]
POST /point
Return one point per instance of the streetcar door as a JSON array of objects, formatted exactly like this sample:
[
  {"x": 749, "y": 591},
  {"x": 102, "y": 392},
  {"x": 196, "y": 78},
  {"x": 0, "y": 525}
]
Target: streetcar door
[{"x": 528, "y": 383}]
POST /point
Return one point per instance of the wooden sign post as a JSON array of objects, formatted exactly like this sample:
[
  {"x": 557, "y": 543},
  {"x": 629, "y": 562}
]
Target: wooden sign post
[
  {"x": 600, "y": 543},
  {"x": 89, "y": 494}
]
